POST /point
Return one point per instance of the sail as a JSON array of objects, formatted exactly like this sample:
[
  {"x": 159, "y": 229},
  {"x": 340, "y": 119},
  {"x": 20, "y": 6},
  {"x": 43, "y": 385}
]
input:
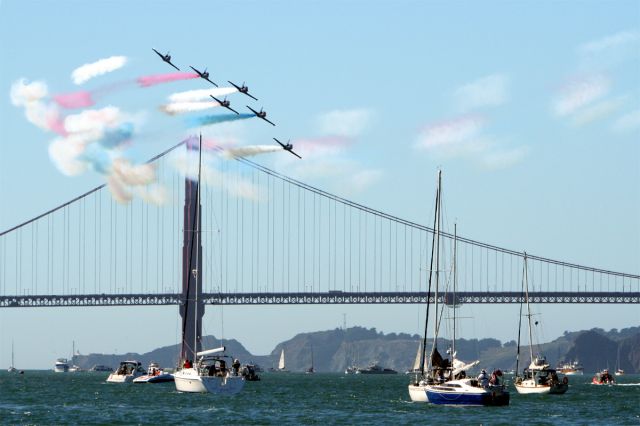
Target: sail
[
  {"x": 416, "y": 363},
  {"x": 281, "y": 363}
]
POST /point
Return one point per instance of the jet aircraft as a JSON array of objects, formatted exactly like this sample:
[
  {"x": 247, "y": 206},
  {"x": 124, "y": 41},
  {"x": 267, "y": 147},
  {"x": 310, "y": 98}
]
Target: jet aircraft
[
  {"x": 166, "y": 58},
  {"x": 225, "y": 103},
  {"x": 261, "y": 114},
  {"x": 287, "y": 147},
  {"x": 242, "y": 89},
  {"x": 204, "y": 74}
]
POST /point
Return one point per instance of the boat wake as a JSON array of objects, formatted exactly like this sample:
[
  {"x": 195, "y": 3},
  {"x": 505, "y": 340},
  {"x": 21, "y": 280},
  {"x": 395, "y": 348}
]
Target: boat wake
[{"x": 628, "y": 384}]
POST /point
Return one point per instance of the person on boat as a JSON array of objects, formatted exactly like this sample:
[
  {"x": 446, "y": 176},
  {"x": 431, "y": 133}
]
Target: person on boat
[
  {"x": 223, "y": 368},
  {"x": 236, "y": 366},
  {"x": 483, "y": 379},
  {"x": 187, "y": 364}
]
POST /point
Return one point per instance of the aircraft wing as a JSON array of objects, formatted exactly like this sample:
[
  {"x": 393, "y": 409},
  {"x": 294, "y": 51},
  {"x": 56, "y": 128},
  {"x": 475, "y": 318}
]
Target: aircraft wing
[
  {"x": 281, "y": 144},
  {"x": 158, "y": 53},
  {"x": 216, "y": 99},
  {"x": 173, "y": 65},
  {"x": 234, "y": 85},
  {"x": 295, "y": 154},
  {"x": 211, "y": 82},
  {"x": 268, "y": 121},
  {"x": 253, "y": 110},
  {"x": 231, "y": 109},
  {"x": 250, "y": 95},
  {"x": 198, "y": 72}
]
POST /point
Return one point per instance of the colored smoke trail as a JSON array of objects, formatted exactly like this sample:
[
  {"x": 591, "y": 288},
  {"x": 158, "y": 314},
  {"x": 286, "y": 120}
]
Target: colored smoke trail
[
  {"x": 86, "y": 72},
  {"x": 206, "y": 120},
  {"x": 182, "y": 107},
  {"x": 247, "y": 151},
  {"x": 199, "y": 95},
  {"x": 152, "y": 80},
  {"x": 74, "y": 100}
]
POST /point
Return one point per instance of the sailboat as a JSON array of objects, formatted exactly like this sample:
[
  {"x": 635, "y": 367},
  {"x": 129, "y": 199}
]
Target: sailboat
[
  {"x": 311, "y": 370},
  {"x": 619, "y": 370},
  {"x": 12, "y": 368},
  {"x": 210, "y": 371},
  {"x": 445, "y": 382},
  {"x": 538, "y": 377},
  {"x": 416, "y": 362},
  {"x": 281, "y": 367}
]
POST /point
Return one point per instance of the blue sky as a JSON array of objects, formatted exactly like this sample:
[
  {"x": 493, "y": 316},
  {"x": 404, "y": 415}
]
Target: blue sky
[{"x": 531, "y": 109}]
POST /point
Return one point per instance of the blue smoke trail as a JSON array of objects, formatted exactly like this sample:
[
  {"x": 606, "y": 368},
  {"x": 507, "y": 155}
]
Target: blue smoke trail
[
  {"x": 114, "y": 138},
  {"x": 206, "y": 120}
]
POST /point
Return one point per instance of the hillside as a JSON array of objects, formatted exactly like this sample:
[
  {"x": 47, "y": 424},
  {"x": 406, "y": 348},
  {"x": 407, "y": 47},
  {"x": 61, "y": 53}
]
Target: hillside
[{"x": 335, "y": 350}]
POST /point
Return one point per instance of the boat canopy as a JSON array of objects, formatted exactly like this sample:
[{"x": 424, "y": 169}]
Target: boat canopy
[{"x": 211, "y": 351}]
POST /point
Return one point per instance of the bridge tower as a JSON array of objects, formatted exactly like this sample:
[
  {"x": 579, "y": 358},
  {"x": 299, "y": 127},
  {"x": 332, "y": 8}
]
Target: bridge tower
[{"x": 191, "y": 311}]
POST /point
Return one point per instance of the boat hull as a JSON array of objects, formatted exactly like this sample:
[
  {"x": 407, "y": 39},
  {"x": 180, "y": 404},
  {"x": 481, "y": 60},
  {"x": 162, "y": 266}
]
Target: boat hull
[
  {"x": 121, "y": 378},
  {"x": 188, "y": 380},
  {"x": 525, "y": 388},
  {"x": 468, "y": 398},
  {"x": 160, "y": 378},
  {"x": 418, "y": 393}
]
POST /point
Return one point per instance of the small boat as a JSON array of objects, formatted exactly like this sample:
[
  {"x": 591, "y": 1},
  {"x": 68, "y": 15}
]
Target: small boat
[
  {"x": 416, "y": 362},
  {"x": 101, "y": 368},
  {"x": 311, "y": 370},
  {"x": 281, "y": 366},
  {"x": 155, "y": 374},
  {"x": 250, "y": 372},
  {"x": 538, "y": 377},
  {"x": 12, "y": 368},
  {"x": 75, "y": 369},
  {"x": 603, "y": 378},
  {"x": 619, "y": 372},
  {"x": 126, "y": 372},
  {"x": 210, "y": 374},
  {"x": 571, "y": 369},
  {"x": 351, "y": 370},
  {"x": 375, "y": 369},
  {"x": 61, "y": 365}
]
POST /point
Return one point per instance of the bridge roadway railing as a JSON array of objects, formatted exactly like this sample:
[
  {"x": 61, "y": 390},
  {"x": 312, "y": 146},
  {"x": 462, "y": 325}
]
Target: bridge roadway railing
[{"x": 316, "y": 298}]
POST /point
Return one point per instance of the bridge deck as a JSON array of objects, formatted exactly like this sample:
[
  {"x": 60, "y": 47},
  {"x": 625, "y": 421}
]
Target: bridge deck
[{"x": 325, "y": 298}]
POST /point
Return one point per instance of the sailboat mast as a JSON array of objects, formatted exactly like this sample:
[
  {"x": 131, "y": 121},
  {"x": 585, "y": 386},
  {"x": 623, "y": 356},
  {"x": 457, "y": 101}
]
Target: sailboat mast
[
  {"x": 426, "y": 318},
  {"x": 455, "y": 274},
  {"x": 526, "y": 296},
  {"x": 519, "y": 326},
  {"x": 437, "y": 236},
  {"x": 197, "y": 243}
]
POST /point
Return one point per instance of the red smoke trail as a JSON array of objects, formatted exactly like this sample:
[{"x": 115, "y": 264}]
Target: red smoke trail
[
  {"x": 151, "y": 80},
  {"x": 74, "y": 100}
]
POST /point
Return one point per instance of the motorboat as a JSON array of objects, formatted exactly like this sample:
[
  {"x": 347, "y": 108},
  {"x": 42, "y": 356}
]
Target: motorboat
[
  {"x": 573, "y": 368},
  {"x": 375, "y": 369},
  {"x": 61, "y": 365},
  {"x": 101, "y": 368},
  {"x": 619, "y": 372},
  {"x": 250, "y": 372},
  {"x": 126, "y": 372},
  {"x": 351, "y": 369},
  {"x": 75, "y": 369},
  {"x": 155, "y": 374},
  {"x": 210, "y": 374},
  {"x": 603, "y": 378}
]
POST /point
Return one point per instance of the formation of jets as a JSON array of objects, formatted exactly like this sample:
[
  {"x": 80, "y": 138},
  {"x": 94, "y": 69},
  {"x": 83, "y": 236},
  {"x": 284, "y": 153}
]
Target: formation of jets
[{"x": 226, "y": 104}]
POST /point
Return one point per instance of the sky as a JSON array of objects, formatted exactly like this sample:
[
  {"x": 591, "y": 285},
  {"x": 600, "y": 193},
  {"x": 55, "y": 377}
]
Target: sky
[{"x": 531, "y": 109}]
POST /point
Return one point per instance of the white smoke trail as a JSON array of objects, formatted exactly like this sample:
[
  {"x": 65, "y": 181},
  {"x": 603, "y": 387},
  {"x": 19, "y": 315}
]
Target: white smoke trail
[
  {"x": 130, "y": 174},
  {"x": 247, "y": 151},
  {"x": 93, "y": 121},
  {"x": 200, "y": 95},
  {"x": 118, "y": 190},
  {"x": 182, "y": 107},
  {"x": 31, "y": 97},
  {"x": 86, "y": 72},
  {"x": 65, "y": 153}
]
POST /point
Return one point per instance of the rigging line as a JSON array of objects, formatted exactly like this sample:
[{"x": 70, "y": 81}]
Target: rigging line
[
  {"x": 415, "y": 225},
  {"x": 91, "y": 191}
]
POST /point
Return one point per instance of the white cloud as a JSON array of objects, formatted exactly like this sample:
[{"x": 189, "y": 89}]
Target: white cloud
[
  {"x": 609, "y": 42},
  {"x": 448, "y": 133},
  {"x": 598, "y": 111},
  {"x": 628, "y": 122},
  {"x": 348, "y": 122},
  {"x": 491, "y": 90},
  {"x": 504, "y": 158},
  {"x": 580, "y": 93}
]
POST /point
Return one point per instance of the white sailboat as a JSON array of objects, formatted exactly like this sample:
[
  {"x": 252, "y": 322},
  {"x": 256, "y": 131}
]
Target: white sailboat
[
  {"x": 12, "y": 368},
  {"x": 211, "y": 371},
  {"x": 445, "y": 382},
  {"x": 311, "y": 369},
  {"x": 281, "y": 366},
  {"x": 538, "y": 378}
]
